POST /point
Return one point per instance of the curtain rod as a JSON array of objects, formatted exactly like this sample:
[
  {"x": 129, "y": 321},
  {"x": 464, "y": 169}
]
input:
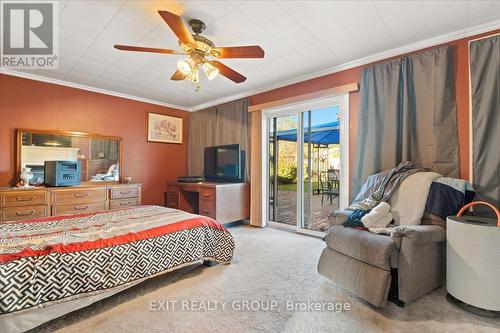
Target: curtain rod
[
  {"x": 346, "y": 88},
  {"x": 484, "y": 37}
]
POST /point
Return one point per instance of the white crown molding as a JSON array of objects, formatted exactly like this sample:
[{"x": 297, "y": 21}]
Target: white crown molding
[
  {"x": 458, "y": 34},
  {"x": 35, "y": 77}
]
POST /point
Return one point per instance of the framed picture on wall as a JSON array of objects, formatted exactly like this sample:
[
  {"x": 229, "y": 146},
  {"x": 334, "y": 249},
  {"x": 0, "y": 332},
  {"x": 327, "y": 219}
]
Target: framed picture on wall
[{"x": 164, "y": 129}]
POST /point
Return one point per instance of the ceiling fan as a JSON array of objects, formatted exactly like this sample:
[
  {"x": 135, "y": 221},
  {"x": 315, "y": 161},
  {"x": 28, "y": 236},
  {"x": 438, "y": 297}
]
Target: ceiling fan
[{"x": 199, "y": 52}]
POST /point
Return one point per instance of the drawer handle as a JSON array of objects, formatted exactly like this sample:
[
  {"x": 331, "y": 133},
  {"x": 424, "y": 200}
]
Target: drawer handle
[
  {"x": 125, "y": 203},
  {"x": 206, "y": 211},
  {"x": 31, "y": 212},
  {"x": 80, "y": 195},
  {"x": 125, "y": 192},
  {"x": 81, "y": 207},
  {"x": 207, "y": 195},
  {"x": 25, "y": 198}
]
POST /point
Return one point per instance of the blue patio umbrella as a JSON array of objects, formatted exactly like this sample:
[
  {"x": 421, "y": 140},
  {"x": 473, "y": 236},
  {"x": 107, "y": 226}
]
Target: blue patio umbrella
[
  {"x": 322, "y": 134},
  {"x": 327, "y": 133}
]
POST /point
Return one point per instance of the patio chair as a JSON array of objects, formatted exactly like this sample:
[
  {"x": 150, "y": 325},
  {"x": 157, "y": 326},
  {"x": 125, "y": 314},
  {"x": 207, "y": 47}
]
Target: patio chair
[
  {"x": 327, "y": 187},
  {"x": 334, "y": 178}
]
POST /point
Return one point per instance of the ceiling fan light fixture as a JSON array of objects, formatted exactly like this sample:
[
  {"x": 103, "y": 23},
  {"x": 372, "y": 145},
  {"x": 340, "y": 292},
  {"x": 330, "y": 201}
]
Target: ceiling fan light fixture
[
  {"x": 210, "y": 70},
  {"x": 194, "y": 76},
  {"x": 197, "y": 51},
  {"x": 184, "y": 67}
]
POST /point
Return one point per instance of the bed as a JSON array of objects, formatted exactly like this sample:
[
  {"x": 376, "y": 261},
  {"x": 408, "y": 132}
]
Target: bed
[{"x": 52, "y": 266}]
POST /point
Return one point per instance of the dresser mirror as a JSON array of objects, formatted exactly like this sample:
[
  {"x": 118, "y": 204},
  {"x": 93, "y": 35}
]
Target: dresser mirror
[{"x": 99, "y": 155}]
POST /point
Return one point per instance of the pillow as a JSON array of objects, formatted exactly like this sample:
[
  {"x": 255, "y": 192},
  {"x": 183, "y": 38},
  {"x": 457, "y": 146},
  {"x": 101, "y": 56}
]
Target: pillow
[
  {"x": 446, "y": 197},
  {"x": 408, "y": 201}
]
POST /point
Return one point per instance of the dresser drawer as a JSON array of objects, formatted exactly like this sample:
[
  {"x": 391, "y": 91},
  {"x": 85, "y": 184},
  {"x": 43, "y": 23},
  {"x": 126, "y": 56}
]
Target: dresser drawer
[
  {"x": 173, "y": 205},
  {"x": 172, "y": 200},
  {"x": 207, "y": 208},
  {"x": 207, "y": 194},
  {"x": 78, "y": 208},
  {"x": 122, "y": 203},
  {"x": 172, "y": 189},
  {"x": 77, "y": 196},
  {"x": 23, "y": 198},
  {"x": 124, "y": 192},
  {"x": 23, "y": 213}
]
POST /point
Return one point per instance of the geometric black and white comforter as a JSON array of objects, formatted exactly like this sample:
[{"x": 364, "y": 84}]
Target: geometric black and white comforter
[{"x": 58, "y": 259}]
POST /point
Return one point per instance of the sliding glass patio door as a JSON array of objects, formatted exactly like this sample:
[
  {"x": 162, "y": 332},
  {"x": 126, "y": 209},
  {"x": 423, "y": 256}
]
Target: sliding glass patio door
[
  {"x": 321, "y": 166},
  {"x": 306, "y": 164},
  {"x": 283, "y": 166}
]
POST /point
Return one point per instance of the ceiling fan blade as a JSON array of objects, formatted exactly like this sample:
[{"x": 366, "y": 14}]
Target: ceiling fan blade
[
  {"x": 240, "y": 52},
  {"x": 178, "y": 76},
  {"x": 178, "y": 27},
  {"x": 144, "y": 49},
  {"x": 231, "y": 74}
]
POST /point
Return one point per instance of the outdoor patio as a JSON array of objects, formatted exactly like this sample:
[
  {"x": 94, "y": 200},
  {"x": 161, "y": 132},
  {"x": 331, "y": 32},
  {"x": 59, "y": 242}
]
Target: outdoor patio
[
  {"x": 320, "y": 167},
  {"x": 287, "y": 212}
]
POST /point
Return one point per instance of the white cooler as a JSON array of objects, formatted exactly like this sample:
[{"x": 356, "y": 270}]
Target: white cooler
[{"x": 473, "y": 261}]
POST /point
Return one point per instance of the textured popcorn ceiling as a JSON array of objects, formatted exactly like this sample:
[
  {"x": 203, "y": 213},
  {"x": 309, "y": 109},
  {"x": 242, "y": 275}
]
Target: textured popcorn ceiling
[{"x": 299, "y": 38}]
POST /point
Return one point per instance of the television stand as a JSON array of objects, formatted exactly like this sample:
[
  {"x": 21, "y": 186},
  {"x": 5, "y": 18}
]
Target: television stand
[{"x": 224, "y": 202}]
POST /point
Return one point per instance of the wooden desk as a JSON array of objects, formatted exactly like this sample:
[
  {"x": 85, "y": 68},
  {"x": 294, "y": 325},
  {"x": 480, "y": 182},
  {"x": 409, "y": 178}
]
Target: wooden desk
[{"x": 224, "y": 202}]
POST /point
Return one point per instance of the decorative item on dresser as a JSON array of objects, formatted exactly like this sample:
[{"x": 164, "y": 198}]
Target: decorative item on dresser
[
  {"x": 224, "y": 202},
  {"x": 20, "y": 204},
  {"x": 26, "y": 175}
]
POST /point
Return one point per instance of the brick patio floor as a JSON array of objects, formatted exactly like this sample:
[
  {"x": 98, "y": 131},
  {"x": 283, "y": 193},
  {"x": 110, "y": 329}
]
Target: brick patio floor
[{"x": 287, "y": 210}]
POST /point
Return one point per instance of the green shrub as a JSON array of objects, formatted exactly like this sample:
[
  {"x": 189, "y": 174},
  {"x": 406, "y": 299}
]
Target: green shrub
[{"x": 287, "y": 173}]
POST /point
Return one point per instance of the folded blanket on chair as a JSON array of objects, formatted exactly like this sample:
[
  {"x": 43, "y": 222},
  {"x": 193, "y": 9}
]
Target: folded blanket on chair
[
  {"x": 383, "y": 231},
  {"x": 354, "y": 220},
  {"x": 379, "y": 217},
  {"x": 379, "y": 187},
  {"x": 408, "y": 202}
]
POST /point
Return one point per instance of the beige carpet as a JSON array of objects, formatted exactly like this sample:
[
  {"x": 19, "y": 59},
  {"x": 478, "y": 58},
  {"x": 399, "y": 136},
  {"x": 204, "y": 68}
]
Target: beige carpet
[{"x": 269, "y": 265}]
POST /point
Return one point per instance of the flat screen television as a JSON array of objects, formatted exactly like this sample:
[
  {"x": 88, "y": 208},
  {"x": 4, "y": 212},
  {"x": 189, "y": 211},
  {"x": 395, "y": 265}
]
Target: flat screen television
[{"x": 224, "y": 163}]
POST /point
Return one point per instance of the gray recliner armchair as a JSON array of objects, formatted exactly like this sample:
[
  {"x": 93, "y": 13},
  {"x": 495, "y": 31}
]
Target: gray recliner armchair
[{"x": 402, "y": 267}]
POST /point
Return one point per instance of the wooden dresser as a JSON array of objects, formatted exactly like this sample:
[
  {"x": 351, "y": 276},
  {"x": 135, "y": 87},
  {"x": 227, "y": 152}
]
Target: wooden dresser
[
  {"x": 224, "y": 202},
  {"x": 20, "y": 204}
]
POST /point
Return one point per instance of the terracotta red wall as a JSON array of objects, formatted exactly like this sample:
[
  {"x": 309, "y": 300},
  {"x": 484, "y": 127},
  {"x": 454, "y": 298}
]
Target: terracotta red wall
[
  {"x": 38, "y": 105},
  {"x": 32, "y": 104},
  {"x": 354, "y": 75}
]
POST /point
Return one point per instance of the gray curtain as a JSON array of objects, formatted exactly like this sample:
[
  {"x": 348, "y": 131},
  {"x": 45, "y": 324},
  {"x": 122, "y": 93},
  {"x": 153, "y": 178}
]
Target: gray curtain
[
  {"x": 200, "y": 135},
  {"x": 219, "y": 125},
  {"x": 485, "y": 89},
  {"x": 408, "y": 113}
]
